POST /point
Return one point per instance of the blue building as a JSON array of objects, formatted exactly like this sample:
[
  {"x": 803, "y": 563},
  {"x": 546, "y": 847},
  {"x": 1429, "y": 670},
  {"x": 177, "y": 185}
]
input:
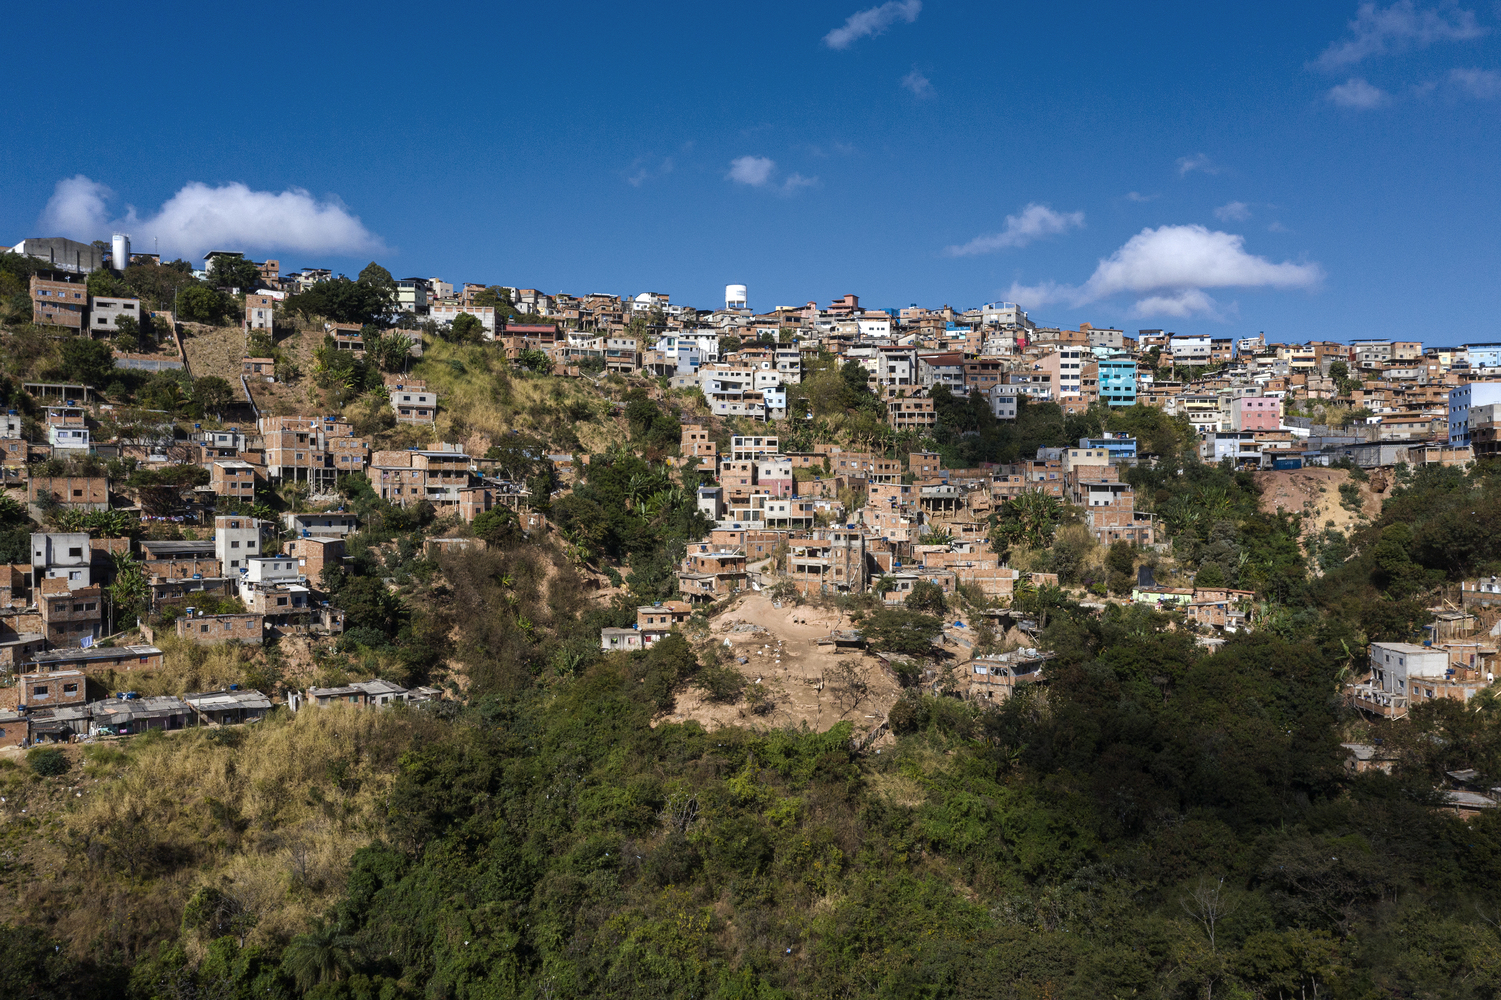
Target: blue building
[
  {"x": 1118, "y": 380},
  {"x": 1118, "y": 446},
  {"x": 1483, "y": 356},
  {"x": 1461, "y": 400}
]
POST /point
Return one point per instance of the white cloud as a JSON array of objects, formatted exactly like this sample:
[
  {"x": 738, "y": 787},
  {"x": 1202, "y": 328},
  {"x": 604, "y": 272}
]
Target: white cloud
[
  {"x": 1189, "y": 302},
  {"x": 760, "y": 172},
  {"x": 920, "y": 85},
  {"x": 1380, "y": 31},
  {"x": 1138, "y": 196},
  {"x": 1169, "y": 268},
  {"x": 199, "y": 218},
  {"x": 796, "y": 182},
  {"x": 872, "y": 21},
  {"x": 1199, "y": 162},
  {"x": 643, "y": 173},
  {"x": 1357, "y": 93},
  {"x": 1235, "y": 211},
  {"x": 1036, "y": 296},
  {"x": 1482, "y": 83},
  {"x": 752, "y": 170},
  {"x": 1034, "y": 222},
  {"x": 78, "y": 208}
]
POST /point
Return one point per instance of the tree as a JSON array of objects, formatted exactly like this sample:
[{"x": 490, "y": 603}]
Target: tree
[
  {"x": 104, "y": 283},
  {"x": 890, "y": 630},
  {"x": 533, "y": 360},
  {"x": 388, "y": 351},
  {"x": 234, "y": 272},
  {"x": 127, "y": 334},
  {"x": 466, "y": 328},
  {"x": 342, "y": 301},
  {"x": 498, "y": 526},
  {"x": 378, "y": 278},
  {"x": 926, "y": 598},
  {"x": 319, "y": 956},
  {"x": 157, "y": 285},
  {"x": 1030, "y": 518},
  {"x": 91, "y": 362},
  {"x": 212, "y": 393},
  {"x": 200, "y": 304}
]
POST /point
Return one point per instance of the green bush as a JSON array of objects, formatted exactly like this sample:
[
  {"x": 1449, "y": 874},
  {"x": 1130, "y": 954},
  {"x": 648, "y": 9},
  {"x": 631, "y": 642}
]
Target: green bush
[{"x": 48, "y": 762}]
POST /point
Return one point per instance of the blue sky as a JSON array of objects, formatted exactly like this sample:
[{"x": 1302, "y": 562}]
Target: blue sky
[{"x": 1310, "y": 170}]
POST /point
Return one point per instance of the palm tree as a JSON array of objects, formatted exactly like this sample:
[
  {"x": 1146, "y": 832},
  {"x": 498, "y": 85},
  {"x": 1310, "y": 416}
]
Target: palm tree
[{"x": 321, "y": 955}]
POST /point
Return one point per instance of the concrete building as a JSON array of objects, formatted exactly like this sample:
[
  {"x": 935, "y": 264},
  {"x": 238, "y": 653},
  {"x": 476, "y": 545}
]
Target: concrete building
[
  {"x": 57, "y": 555},
  {"x": 1395, "y": 667},
  {"x": 63, "y": 254},
  {"x": 105, "y": 314},
  {"x": 337, "y": 524},
  {"x": 260, "y": 312},
  {"x": 236, "y": 540},
  {"x": 414, "y": 404},
  {"x": 444, "y": 313}
]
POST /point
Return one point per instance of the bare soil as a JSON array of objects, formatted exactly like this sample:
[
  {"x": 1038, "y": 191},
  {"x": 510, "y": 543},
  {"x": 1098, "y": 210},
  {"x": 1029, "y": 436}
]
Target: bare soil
[
  {"x": 1298, "y": 491},
  {"x": 214, "y": 350},
  {"x": 805, "y": 682}
]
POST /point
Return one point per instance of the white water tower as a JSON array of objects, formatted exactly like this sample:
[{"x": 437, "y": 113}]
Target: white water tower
[
  {"x": 120, "y": 251},
  {"x": 734, "y": 297}
]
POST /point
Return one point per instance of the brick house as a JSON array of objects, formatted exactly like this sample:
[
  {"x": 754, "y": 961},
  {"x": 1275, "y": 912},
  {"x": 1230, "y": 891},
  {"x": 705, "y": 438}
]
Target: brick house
[
  {"x": 314, "y": 555},
  {"x": 47, "y": 689},
  {"x": 233, "y": 478},
  {"x": 210, "y": 630},
  {"x": 97, "y": 660},
  {"x": 88, "y": 493},
  {"x": 70, "y": 616},
  {"x": 59, "y": 303}
]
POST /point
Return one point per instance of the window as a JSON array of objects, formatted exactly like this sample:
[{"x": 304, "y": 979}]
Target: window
[
  {"x": 203, "y": 628},
  {"x": 40, "y": 690},
  {"x": 78, "y": 493}
]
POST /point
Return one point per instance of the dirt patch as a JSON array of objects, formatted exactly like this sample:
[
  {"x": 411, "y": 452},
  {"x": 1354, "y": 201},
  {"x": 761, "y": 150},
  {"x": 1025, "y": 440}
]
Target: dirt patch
[
  {"x": 1315, "y": 493},
  {"x": 213, "y": 350},
  {"x": 806, "y": 682}
]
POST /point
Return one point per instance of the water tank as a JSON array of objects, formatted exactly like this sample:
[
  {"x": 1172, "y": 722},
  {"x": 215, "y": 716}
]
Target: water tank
[
  {"x": 120, "y": 251},
  {"x": 735, "y": 297}
]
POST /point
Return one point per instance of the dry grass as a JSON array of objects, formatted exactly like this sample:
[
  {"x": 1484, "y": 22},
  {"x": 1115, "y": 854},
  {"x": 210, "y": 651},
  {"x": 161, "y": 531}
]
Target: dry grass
[
  {"x": 186, "y": 667},
  {"x": 482, "y": 396},
  {"x": 112, "y": 851}
]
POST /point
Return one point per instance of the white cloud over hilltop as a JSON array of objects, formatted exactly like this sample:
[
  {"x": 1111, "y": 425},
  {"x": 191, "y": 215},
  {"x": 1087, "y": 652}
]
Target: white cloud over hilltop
[
  {"x": 200, "y": 218},
  {"x": 1169, "y": 268}
]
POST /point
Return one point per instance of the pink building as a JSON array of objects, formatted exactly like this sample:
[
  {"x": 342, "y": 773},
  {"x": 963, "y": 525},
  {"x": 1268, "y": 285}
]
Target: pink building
[
  {"x": 774, "y": 475},
  {"x": 1256, "y": 413}
]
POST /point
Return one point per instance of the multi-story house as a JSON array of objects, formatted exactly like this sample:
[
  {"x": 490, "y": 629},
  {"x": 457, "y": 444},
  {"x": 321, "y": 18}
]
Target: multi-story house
[{"x": 59, "y": 303}]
